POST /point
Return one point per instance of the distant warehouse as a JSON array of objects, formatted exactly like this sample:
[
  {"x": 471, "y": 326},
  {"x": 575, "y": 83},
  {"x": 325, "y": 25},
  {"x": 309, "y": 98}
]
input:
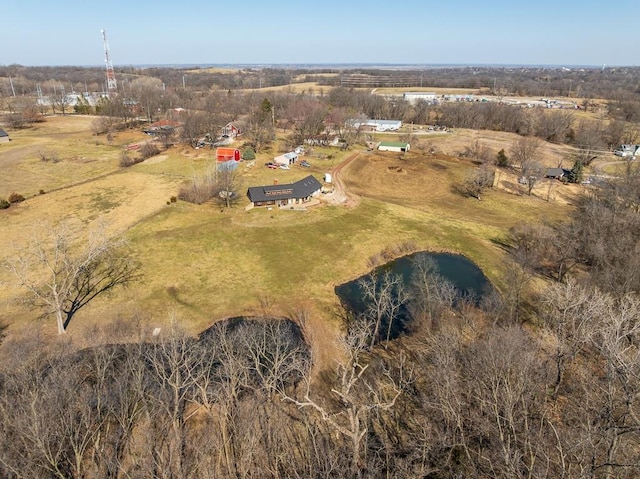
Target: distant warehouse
[
  {"x": 375, "y": 125},
  {"x": 415, "y": 96}
]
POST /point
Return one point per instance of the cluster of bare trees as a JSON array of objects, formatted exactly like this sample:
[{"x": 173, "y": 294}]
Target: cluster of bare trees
[
  {"x": 172, "y": 406},
  {"x": 464, "y": 395}
]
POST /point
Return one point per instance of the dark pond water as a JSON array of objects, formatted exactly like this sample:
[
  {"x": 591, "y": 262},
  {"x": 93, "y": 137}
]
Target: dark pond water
[{"x": 464, "y": 274}]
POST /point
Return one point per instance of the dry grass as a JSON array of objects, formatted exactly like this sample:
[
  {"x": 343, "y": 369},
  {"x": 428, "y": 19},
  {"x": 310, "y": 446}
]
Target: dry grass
[{"x": 204, "y": 263}]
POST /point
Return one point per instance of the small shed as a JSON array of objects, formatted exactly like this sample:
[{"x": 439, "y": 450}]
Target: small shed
[
  {"x": 327, "y": 177},
  {"x": 227, "y": 154},
  {"x": 4, "y": 136},
  {"x": 286, "y": 159},
  {"x": 393, "y": 146}
]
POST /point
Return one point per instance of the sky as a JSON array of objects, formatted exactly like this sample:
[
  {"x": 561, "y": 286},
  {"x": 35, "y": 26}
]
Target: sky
[{"x": 416, "y": 32}]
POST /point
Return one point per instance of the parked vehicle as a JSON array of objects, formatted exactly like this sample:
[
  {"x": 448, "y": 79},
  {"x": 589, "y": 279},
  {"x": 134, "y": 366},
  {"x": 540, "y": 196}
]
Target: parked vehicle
[
  {"x": 305, "y": 163},
  {"x": 284, "y": 167}
]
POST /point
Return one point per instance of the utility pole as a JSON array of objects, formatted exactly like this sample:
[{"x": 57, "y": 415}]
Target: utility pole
[{"x": 13, "y": 90}]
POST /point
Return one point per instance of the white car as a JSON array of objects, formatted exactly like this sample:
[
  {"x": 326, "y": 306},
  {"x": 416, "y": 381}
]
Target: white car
[{"x": 284, "y": 167}]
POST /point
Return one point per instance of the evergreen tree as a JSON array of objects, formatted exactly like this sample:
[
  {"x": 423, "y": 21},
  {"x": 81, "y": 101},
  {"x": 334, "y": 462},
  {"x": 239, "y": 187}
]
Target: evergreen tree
[
  {"x": 576, "y": 172},
  {"x": 249, "y": 154},
  {"x": 501, "y": 159}
]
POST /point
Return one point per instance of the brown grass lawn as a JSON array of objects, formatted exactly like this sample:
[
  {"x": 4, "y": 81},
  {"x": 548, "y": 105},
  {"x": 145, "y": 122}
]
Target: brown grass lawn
[
  {"x": 201, "y": 263},
  {"x": 74, "y": 155}
]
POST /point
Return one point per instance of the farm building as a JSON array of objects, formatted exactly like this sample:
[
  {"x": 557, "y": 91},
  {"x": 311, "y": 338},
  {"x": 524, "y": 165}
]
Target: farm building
[
  {"x": 167, "y": 126},
  {"x": 286, "y": 159},
  {"x": 4, "y": 136},
  {"x": 415, "y": 96},
  {"x": 227, "y": 154},
  {"x": 376, "y": 125},
  {"x": 232, "y": 129},
  {"x": 286, "y": 194},
  {"x": 627, "y": 150},
  {"x": 556, "y": 173},
  {"x": 394, "y": 146}
]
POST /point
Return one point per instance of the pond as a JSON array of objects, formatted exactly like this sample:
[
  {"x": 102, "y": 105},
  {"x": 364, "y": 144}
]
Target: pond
[{"x": 462, "y": 273}]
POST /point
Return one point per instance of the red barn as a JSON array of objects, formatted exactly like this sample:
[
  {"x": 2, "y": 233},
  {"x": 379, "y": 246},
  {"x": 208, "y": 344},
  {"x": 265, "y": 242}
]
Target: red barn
[{"x": 226, "y": 154}]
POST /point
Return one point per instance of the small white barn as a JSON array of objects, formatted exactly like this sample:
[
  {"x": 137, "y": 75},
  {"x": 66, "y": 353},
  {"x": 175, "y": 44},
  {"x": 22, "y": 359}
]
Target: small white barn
[
  {"x": 394, "y": 146},
  {"x": 327, "y": 177}
]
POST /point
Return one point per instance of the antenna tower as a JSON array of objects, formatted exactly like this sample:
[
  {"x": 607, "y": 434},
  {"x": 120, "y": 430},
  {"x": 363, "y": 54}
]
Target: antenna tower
[{"x": 112, "y": 86}]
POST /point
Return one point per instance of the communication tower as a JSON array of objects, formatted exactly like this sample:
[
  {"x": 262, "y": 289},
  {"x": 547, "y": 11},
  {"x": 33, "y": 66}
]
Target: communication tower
[{"x": 112, "y": 86}]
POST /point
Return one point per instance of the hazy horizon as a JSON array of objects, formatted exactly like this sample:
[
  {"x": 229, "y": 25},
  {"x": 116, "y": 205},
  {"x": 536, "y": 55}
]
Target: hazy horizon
[{"x": 459, "y": 32}]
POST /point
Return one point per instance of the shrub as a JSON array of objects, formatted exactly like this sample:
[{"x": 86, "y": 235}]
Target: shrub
[
  {"x": 41, "y": 192},
  {"x": 249, "y": 154},
  {"x": 4, "y": 204},
  {"x": 173, "y": 199},
  {"x": 149, "y": 149},
  {"x": 127, "y": 160},
  {"x": 15, "y": 198},
  {"x": 197, "y": 192}
]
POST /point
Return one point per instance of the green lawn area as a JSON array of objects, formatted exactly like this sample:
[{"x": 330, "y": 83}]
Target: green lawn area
[{"x": 201, "y": 263}]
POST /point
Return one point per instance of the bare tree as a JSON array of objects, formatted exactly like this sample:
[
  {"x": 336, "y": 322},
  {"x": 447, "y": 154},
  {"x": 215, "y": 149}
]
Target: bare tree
[
  {"x": 478, "y": 181},
  {"x": 64, "y": 276},
  {"x": 226, "y": 183},
  {"x": 532, "y": 173},
  {"x": 431, "y": 294},
  {"x": 570, "y": 312},
  {"x": 383, "y": 296},
  {"x": 588, "y": 141},
  {"x": 357, "y": 395},
  {"x": 525, "y": 149}
]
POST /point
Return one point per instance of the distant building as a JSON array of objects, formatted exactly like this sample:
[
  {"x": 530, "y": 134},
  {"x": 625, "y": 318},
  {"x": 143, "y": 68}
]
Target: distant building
[
  {"x": 627, "y": 150},
  {"x": 232, "y": 129},
  {"x": 415, "y": 96},
  {"x": 394, "y": 146},
  {"x": 376, "y": 125},
  {"x": 4, "y": 136}
]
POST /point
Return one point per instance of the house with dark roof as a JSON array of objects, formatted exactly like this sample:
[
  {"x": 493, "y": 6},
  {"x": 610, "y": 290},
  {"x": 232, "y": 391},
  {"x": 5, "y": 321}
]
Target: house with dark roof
[
  {"x": 4, "y": 136},
  {"x": 285, "y": 194},
  {"x": 556, "y": 173}
]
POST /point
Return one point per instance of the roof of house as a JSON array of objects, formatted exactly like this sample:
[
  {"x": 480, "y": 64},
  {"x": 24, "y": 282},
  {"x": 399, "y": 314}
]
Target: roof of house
[
  {"x": 226, "y": 152},
  {"x": 300, "y": 189},
  {"x": 394, "y": 143},
  {"x": 289, "y": 156},
  {"x": 3, "y": 133},
  {"x": 555, "y": 172},
  {"x": 165, "y": 123}
]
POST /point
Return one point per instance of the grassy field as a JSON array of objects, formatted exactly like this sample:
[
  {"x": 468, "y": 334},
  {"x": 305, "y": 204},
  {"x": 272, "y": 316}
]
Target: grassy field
[{"x": 201, "y": 263}]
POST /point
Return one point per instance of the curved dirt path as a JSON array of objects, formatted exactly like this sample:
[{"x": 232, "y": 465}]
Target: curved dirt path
[{"x": 340, "y": 194}]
